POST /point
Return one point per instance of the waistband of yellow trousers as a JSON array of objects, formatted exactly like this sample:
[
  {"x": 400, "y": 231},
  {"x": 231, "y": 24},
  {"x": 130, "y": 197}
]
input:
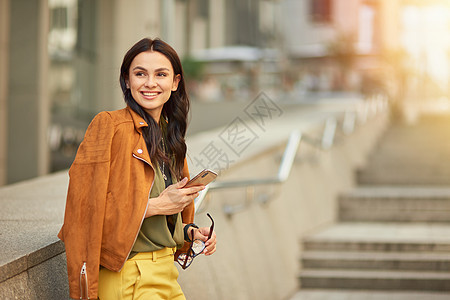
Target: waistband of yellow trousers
[{"x": 154, "y": 255}]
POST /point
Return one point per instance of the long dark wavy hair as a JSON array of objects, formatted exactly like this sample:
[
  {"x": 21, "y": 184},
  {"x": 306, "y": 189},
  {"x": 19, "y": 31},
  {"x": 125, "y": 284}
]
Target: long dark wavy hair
[{"x": 175, "y": 110}]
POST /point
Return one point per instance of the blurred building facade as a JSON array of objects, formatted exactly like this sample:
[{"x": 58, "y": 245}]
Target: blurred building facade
[
  {"x": 60, "y": 59},
  {"x": 60, "y": 63},
  {"x": 368, "y": 45},
  {"x": 335, "y": 42}
]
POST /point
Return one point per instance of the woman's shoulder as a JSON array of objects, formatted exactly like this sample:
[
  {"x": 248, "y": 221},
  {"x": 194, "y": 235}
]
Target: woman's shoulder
[
  {"x": 116, "y": 117},
  {"x": 119, "y": 115}
]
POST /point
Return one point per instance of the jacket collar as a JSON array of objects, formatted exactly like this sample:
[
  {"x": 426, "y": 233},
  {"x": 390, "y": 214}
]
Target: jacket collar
[{"x": 138, "y": 121}]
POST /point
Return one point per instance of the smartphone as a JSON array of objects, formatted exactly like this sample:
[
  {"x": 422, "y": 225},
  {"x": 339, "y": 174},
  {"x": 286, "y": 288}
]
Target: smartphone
[{"x": 202, "y": 178}]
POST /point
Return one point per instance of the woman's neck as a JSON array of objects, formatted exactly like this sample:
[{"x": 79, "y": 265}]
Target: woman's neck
[{"x": 155, "y": 114}]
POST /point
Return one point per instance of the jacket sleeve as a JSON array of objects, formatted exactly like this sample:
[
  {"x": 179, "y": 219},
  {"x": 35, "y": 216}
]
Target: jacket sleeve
[
  {"x": 188, "y": 212},
  {"x": 85, "y": 207}
]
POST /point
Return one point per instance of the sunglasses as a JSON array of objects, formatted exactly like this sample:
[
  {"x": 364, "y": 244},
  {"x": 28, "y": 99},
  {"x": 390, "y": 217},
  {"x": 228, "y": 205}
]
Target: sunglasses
[{"x": 197, "y": 246}]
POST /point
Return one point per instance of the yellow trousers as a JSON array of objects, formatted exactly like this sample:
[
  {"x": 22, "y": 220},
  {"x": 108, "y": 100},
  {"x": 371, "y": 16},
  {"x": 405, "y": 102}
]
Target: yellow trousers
[{"x": 148, "y": 275}]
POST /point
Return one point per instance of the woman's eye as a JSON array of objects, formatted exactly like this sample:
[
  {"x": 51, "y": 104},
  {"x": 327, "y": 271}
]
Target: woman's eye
[
  {"x": 139, "y": 74},
  {"x": 162, "y": 74}
]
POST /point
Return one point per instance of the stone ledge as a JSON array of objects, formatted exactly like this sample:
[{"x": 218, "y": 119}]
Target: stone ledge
[
  {"x": 24, "y": 263},
  {"x": 31, "y": 215}
]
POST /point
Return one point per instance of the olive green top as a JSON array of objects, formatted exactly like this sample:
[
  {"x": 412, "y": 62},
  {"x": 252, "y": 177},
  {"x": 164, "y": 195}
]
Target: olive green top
[
  {"x": 160, "y": 231},
  {"x": 155, "y": 233}
]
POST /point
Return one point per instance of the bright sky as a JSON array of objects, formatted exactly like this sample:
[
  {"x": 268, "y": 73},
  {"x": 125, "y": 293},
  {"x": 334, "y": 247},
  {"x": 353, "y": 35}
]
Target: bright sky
[{"x": 427, "y": 37}]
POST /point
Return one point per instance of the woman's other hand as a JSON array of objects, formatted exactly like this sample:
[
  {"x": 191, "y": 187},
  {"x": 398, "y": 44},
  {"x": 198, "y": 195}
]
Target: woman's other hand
[
  {"x": 173, "y": 199},
  {"x": 202, "y": 234}
]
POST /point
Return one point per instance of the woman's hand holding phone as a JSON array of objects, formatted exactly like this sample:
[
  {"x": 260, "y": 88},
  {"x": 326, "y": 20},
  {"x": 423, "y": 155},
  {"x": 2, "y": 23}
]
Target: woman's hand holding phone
[
  {"x": 179, "y": 195},
  {"x": 202, "y": 178},
  {"x": 173, "y": 199}
]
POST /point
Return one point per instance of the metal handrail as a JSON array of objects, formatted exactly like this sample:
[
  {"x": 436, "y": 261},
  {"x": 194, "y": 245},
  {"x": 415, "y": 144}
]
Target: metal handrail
[
  {"x": 283, "y": 173},
  {"x": 348, "y": 125},
  {"x": 326, "y": 142},
  {"x": 328, "y": 135}
]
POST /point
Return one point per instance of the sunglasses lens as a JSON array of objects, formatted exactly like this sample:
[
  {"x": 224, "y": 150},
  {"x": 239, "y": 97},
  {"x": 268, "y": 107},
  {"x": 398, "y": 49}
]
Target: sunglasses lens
[
  {"x": 198, "y": 246},
  {"x": 182, "y": 260}
]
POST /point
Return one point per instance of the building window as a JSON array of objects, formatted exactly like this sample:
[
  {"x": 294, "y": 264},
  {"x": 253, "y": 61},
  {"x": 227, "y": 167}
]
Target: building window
[
  {"x": 58, "y": 18},
  {"x": 86, "y": 33},
  {"x": 367, "y": 29},
  {"x": 321, "y": 10},
  {"x": 203, "y": 8}
]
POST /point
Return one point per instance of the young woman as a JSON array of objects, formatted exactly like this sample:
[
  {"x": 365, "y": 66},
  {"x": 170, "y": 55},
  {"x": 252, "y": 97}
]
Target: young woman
[{"x": 128, "y": 214}]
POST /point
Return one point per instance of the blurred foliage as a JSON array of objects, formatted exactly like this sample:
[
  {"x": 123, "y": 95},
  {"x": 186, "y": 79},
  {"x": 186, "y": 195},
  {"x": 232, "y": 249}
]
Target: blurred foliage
[
  {"x": 375, "y": 82},
  {"x": 342, "y": 49},
  {"x": 399, "y": 61},
  {"x": 192, "y": 68}
]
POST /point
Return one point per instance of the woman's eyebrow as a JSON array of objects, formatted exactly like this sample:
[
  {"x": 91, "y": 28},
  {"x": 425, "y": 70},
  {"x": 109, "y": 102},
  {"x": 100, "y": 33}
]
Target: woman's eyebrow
[
  {"x": 157, "y": 70},
  {"x": 162, "y": 69},
  {"x": 139, "y": 68}
]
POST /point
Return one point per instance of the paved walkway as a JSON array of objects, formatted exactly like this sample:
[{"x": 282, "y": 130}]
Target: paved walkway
[
  {"x": 367, "y": 295},
  {"x": 430, "y": 233}
]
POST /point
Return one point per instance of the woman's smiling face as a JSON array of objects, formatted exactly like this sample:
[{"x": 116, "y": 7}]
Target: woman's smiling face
[{"x": 151, "y": 80}]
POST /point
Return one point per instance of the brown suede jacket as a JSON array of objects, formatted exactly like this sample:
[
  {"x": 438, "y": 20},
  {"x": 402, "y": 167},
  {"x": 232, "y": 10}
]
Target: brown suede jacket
[{"x": 110, "y": 182}]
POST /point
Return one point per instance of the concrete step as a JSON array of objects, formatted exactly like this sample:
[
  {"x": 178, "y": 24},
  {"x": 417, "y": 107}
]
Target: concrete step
[
  {"x": 423, "y": 138},
  {"x": 421, "y": 261},
  {"x": 417, "y": 133},
  {"x": 415, "y": 162},
  {"x": 411, "y": 154},
  {"x": 378, "y": 256},
  {"x": 423, "y": 141},
  {"x": 334, "y": 294},
  {"x": 390, "y": 144},
  {"x": 395, "y": 204},
  {"x": 411, "y": 150},
  {"x": 377, "y": 237},
  {"x": 374, "y": 280},
  {"x": 401, "y": 158},
  {"x": 402, "y": 176},
  {"x": 327, "y": 245}
]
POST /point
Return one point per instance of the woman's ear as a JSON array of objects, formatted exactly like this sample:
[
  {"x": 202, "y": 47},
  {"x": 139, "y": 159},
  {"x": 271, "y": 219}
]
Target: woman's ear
[{"x": 176, "y": 81}]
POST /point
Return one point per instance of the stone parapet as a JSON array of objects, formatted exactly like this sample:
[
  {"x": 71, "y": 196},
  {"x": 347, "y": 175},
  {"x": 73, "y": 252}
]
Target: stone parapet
[{"x": 32, "y": 259}]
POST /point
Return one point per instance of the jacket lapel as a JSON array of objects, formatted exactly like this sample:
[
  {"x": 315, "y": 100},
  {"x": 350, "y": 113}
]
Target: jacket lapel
[{"x": 140, "y": 150}]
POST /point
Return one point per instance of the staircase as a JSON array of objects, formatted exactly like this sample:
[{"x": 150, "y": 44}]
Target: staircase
[
  {"x": 417, "y": 154},
  {"x": 393, "y": 230}
]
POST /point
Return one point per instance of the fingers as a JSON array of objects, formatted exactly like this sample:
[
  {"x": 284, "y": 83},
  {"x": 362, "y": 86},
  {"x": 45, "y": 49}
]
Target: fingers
[
  {"x": 177, "y": 191},
  {"x": 202, "y": 234},
  {"x": 191, "y": 198},
  {"x": 210, "y": 245},
  {"x": 182, "y": 182},
  {"x": 190, "y": 190},
  {"x": 194, "y": 189}
]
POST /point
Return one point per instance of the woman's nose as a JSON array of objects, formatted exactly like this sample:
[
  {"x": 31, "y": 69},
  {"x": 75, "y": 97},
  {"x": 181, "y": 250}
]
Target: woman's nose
[{"x": 150, "y": 82}]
